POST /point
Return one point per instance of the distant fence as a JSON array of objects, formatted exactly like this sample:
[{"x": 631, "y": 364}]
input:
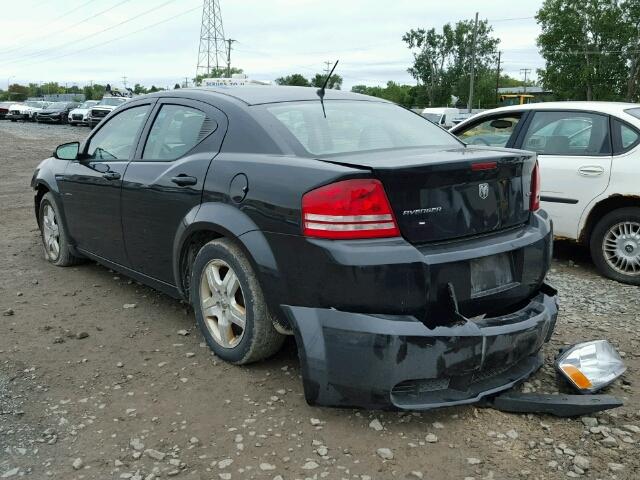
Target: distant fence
[{"x": 65, "y": 97}]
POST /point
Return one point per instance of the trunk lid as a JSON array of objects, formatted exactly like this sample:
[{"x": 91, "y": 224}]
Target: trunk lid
[{"x": 439, "y": 195}]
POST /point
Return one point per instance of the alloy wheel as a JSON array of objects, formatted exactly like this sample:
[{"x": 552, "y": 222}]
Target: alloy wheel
[
  {"x": 621, "y": 247},
  {"x": 222, "y": 303},
  {"x": 51, "y": 232}
]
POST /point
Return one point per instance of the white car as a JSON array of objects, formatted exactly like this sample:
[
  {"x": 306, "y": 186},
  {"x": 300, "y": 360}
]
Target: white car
[
  {"x": 26, "y": 111},
  {"x": 79, "y": 116},
  {"x": 104, "y": 108},
  {"x": 443, "y": 117},
  {"x": 589, "y": 156}
]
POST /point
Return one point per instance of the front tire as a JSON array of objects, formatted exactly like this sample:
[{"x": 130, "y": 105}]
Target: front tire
[
  {"x": 54, "y": 236},
  {"x": 615, "y": 245},
  {"x": 229, "y": 305}
]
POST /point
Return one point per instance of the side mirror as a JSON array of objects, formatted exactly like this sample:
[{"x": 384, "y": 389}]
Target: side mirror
[{"x": 67, "y": 151}]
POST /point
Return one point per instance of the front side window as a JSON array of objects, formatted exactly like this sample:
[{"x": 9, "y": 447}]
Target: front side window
[
  {"x": 495, "y": 131},
  {"x": 568, "y": 133},
  {"x": 116, "y": 139},
  {"x": 175, "y": 131},
  {"x": 357, "y": 126}
]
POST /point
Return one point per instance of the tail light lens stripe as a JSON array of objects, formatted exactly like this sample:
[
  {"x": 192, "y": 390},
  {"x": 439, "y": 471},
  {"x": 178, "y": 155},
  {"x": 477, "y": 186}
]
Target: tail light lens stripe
[
  {"x": 349, "y": 227},
  {"x": 347, "y": 218}
]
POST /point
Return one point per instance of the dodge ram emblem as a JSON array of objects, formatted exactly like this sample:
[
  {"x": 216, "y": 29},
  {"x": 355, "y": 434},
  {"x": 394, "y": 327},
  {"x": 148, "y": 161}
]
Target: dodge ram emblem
[{"x": 483, "y": 190}]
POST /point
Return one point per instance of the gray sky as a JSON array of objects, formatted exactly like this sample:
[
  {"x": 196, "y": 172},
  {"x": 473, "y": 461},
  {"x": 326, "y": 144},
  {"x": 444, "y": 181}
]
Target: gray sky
[{"x": 75, "y": 41}]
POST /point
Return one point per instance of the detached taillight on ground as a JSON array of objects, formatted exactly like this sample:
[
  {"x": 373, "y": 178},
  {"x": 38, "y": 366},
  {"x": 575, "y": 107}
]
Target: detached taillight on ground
[
  {"x": 534, "y": 202},
  {"x": 350, "y": 209}
]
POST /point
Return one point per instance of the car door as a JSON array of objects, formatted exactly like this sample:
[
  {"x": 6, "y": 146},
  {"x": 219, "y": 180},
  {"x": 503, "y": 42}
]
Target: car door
[
  {"x": 574, "y": 152},
  {"x": 91, "y": 185},
  {"x": 165, "y": 180},
  {"x": 495, "y": 130}
]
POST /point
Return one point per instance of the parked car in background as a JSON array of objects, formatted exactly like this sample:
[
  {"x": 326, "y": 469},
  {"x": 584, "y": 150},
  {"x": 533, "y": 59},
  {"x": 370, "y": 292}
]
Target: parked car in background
[
  {"x": 418, "y": 278},
  {"x": 56, "y": 112},
  {"x": 443, "y": 117},
  {"x": 4, "y": 108},
  {"x": 80, "y": 115},
  {"x": 589, "y": 154},
  {"x": 25, "y": 111},
  {"x": 104, "y": 108}
]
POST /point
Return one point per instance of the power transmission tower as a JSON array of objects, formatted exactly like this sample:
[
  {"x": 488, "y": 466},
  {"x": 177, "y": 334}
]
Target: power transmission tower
[
  {"x": 526, "y": 72},
  {"x": 211, "y": 53},
  {"x": 473, "y": 64},
  {"x": 229, "y": 42}
]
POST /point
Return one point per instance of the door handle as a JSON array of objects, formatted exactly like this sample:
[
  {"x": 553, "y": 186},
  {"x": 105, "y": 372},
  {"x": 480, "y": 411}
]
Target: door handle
[
  {"x": 591, "y": 171},
  {"x": 184, "y": 180},
  {"x": 111, "y": 176}
]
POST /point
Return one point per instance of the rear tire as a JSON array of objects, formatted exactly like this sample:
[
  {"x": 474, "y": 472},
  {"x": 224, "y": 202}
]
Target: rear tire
[
  {"x": 615, "y": 245},
  {"x": 229, "y": 305},
  {"x": 54, "y": 236}
]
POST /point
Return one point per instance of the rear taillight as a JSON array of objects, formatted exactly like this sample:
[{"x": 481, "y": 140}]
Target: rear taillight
[
  {"x": 534, "y": 201},
  {"x": 351, "y": 209}
]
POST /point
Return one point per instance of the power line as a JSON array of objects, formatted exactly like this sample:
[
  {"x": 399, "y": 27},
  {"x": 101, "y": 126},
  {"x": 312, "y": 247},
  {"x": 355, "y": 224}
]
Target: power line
[
  {"x": 58, "y": 32},
  {"x": 66, "y": 14},
  {"x": 497, "y": 20},
  {"x": 57, "y": 47},
  {"x": 106, "y": 42}
]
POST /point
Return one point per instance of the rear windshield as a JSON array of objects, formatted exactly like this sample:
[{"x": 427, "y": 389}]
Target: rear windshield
[
  {"x": 634, "y": 112},
  {"x": 357, "y": 126}
]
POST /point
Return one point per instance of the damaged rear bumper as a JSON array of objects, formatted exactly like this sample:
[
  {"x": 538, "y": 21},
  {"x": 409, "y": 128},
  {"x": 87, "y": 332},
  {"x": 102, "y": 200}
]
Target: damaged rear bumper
[{"x": 388, "y": 361}]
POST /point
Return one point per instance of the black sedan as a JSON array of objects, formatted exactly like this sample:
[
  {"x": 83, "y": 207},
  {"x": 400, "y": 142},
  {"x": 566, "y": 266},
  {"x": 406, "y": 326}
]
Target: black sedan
[
  {"x": 57, "y": 112},
  {"x": 409, "y": 267}
]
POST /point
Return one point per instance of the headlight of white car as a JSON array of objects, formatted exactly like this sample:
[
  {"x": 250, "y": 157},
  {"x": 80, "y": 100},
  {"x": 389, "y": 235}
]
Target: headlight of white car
[{"x": 590, "y": 366}]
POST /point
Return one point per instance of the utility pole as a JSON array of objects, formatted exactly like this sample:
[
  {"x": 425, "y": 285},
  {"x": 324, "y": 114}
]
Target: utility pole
[
  {"x": 186, "y": 82},
  {"x": 211, "y": 52},
  {"x": 498, "y": 79},
  {"x": 229, "y": 42},
  {"x": 124, "y": 81},
  {"x": 473, "y": 64},
  {"x": 526, "y": 74},
  {"x": 329, "y": 64}
]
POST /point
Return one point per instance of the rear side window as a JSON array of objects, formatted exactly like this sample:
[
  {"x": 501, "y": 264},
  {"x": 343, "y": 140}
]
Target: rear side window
[
  {"x": 357, "y": 126},
  {"x": 176, "y": 130},
  {"x": 625, "y": 137},
  {"x": 495, "y": 131},
  {"x": 568, "y": 134}
]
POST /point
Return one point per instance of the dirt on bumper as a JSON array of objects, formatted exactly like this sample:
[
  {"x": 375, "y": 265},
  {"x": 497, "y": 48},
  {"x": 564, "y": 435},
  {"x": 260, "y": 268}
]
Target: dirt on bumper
[{"x": 382, "y": 362}]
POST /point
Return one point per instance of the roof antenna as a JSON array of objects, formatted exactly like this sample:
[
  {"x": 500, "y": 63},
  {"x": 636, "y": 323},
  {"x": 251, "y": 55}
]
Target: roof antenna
[{"x": 320, "y": 91}]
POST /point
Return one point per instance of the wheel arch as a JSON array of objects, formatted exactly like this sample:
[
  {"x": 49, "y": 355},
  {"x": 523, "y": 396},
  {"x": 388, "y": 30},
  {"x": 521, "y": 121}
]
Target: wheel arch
[
  {"x": 212, "y": 221},
  {"x": 603, "y": 207}
]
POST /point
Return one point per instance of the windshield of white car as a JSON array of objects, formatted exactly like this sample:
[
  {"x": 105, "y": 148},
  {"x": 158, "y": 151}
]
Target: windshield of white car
[
  {"x": 113, "y": 102},
  {"x": 57, "y": 106},
  {"x": 88, "y": 104},
  {"x": 433, "y": 117},
  {"x": 35, "y": 104},
  {"x": 357, "y": 126}
]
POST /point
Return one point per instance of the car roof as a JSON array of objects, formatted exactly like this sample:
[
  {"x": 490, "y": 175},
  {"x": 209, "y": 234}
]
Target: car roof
[
  {"x": 256, "y": 95},
  {"x": 604, "y": 107},
  {"x": 609, "y": 108}
]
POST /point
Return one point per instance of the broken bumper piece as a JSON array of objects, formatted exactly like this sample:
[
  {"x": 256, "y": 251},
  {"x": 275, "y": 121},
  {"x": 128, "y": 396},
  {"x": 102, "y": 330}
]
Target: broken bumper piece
[
  {"x": 382, "y": 362},
  {"x": 558, "y": 405}
]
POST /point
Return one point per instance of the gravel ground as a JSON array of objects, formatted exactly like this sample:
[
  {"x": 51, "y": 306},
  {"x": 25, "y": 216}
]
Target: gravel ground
[{"x": 102, "y": 378}]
